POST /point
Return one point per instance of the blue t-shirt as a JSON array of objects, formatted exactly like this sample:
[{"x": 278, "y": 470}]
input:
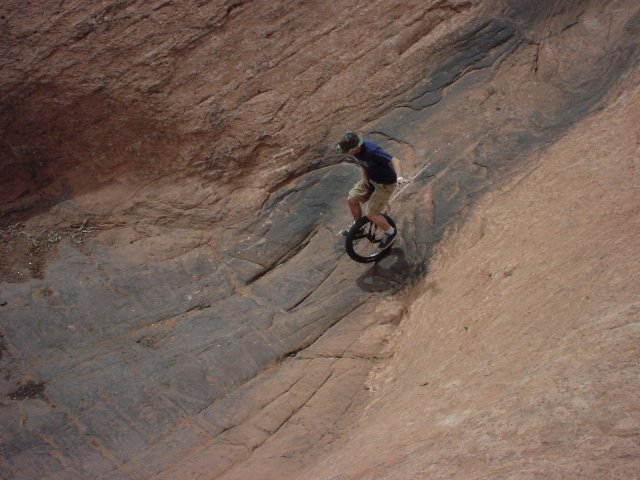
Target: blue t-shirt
[{"x": 377, "y": 163}]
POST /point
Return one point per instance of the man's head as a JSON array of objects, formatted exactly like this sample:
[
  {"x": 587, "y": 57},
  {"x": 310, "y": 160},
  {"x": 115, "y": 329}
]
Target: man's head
[{"x": 349, "y": 143}]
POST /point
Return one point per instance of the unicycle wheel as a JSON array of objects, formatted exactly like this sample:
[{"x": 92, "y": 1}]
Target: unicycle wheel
[{"x": 363, "y": 240}]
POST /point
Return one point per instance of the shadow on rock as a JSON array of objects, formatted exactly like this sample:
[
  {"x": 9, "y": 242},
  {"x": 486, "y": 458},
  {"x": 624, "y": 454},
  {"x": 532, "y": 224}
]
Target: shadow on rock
[{"x": 387, "y": 275}]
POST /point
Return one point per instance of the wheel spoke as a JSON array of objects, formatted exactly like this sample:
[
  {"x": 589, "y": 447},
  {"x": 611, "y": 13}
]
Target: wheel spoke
[{"x": 366, "y": 244}]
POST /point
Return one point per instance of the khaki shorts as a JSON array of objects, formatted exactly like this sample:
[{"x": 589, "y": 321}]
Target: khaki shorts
[{"x": 377, "y": 201}]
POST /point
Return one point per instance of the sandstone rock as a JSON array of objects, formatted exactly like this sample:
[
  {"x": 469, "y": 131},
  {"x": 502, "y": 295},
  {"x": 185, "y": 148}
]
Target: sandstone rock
[{"x": 175, "y": 302}]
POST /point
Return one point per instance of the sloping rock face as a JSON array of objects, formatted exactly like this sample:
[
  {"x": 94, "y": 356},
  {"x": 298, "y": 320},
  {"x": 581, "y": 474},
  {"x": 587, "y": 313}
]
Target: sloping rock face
[
  {"x": 175, "y": 302},
  {"x": 519, "y": 358}
]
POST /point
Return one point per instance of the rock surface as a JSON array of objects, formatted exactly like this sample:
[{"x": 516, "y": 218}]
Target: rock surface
[{"x": 175, "y": 302}]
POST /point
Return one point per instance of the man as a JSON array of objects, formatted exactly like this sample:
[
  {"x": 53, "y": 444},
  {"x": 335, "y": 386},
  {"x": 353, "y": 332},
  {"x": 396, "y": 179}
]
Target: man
[{"x": 380, "y": 174}]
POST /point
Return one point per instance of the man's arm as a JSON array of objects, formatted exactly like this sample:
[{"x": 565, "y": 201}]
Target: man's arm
[
  {"x": 365, "y": 177},
  {"x": 395, "y": 161}
]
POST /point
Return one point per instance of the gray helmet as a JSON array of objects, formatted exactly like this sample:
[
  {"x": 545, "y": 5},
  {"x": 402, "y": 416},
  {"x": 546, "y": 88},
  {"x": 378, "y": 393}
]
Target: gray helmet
[{"x": 349, "y": 141}]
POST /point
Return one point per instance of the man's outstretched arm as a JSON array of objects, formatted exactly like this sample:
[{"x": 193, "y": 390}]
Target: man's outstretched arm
[{"x": 395, "y": 161}]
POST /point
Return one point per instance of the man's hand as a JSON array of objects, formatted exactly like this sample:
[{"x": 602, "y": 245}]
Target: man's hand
[{"x": 403, "y": 181}]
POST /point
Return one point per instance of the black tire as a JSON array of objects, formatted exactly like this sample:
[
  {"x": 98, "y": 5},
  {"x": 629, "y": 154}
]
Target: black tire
[{"x": 363, "y": 240}]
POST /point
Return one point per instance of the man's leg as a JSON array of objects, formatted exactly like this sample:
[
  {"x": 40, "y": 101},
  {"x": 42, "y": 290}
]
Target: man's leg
[
  {"x": 356, "y": 209},
  {"x": 380, "y": 221},
  {"x": 380, "y": 197},
  {"x": 357, "y": 195}
]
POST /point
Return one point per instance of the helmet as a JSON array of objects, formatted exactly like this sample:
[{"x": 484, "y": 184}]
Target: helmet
[{"x": 349, "y": 141}]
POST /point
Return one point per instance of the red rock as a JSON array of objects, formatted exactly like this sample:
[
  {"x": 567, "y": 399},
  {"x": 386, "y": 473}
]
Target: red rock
[{"x": 171, "y": 279}]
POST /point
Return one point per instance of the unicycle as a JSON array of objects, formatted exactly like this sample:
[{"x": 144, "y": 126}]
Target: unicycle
[{"x": 363, "y": 240}]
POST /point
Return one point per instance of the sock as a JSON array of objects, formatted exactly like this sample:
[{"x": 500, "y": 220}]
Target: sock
[{"x": 390, "y": 231}]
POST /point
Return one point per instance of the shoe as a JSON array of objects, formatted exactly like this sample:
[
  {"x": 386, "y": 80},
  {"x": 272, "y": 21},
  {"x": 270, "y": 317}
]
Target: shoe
[
  {"x": 345, "y": 231},
  {"x": 388, "y": 239}
]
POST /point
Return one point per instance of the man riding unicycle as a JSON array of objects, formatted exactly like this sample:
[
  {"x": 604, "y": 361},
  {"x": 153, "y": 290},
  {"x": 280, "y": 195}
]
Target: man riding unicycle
[{"x": 380, "y": 175}]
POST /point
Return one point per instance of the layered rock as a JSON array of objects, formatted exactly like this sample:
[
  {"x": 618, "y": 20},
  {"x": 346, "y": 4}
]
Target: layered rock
[{"x": 175, "y": 299}]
